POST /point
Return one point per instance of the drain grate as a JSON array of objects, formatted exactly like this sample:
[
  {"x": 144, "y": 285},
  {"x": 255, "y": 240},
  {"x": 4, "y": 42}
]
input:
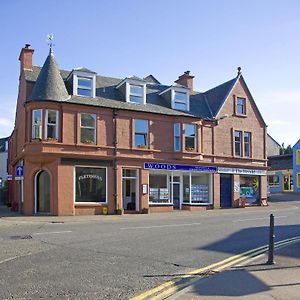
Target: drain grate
[
  {"x": 57, "y": 222},
  {"x": 21, "y": 237}
]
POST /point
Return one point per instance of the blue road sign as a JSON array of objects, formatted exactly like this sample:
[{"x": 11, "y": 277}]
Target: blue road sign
[{"x": 19, "y": 171}]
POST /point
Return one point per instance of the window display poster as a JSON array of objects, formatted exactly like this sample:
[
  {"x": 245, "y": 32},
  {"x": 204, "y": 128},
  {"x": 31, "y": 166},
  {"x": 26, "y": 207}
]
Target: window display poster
[{"x": 249, "y": 188}]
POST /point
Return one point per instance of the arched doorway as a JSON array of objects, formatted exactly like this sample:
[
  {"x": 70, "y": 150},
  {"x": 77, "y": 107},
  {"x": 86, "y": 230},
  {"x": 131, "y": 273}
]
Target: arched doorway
[{"x": 42, "y": 188}]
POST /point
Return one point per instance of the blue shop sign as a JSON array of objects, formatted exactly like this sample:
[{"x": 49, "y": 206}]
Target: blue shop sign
[{"x": 174, "y": 167}]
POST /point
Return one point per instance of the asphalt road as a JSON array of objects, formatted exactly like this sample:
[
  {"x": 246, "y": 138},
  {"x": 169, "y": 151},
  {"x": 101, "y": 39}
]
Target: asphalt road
[{"x": 117, "y": 257}]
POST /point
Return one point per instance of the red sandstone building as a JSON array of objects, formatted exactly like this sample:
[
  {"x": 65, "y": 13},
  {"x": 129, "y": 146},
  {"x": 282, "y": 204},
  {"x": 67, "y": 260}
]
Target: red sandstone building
[{"x": 89, "y": 142}]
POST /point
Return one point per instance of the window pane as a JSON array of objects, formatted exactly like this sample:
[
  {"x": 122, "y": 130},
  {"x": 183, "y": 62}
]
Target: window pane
[
  {"x": 140, "y": 140},
  {"x": 136, "y": 90},
  {"x": 129, "y": 173},
  {"x": 189, "y": 130},
  {"x": 141, "y": 126},
  {"x": 190, "y": 139},
  {"x": 199, "y": 188},
  {"x": 186, "y": 188},
  {"x": 136, "y": 99},
  {"x": 90, "y": 184},
  {"x": 87, "y": 135},
  {"x": 241, "y": 106},
  {"x": 85, "y": 82},
  {"x": 84, "y": 92},
  {"x": 51, "y": 132},
  {"x": 180, "y": 106},
  {"x": 247, "y": 140},
  {"x": 37, "y": 116},
  {"x": 177, "y": 137},
  {"x": 88, "y": 120},
  {"x": 237, "y": 136},
  {"x": 51, "y": 116},
  {"x": 180, "y": 96},
  {"x": 158, "y": 189}
]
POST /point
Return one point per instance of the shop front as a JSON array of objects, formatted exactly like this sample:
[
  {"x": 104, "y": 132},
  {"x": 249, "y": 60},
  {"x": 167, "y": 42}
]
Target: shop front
[{"x": 179, "y": 186}]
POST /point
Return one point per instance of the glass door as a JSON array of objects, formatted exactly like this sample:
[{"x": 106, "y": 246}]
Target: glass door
[
  {"x": 176, "y": 190},
  {"x": 288, "y": 185}
]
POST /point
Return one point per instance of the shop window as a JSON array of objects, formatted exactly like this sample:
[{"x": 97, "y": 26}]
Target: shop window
[
  {"x": 37, "y": 124},
  {"x": 247, "y": 144},
  {"x": 237, "y": 143},
  {"x": 298, "y": 157},
  {"x": 199, "y": 188},
  {"x": 87, "y": 128},
  {"x": 141, "y": 133},
  {"x": 298, "y": 179},
  {"x": 273, "y": 180},
  {"x": 177, "y": 133},
  {"x": 249, "y": 188},
  {"x": 241, "y": 106},
  {"x": 90, "y": 184},
  {"x": 186, "y": 188},
  {"x": 190, "y": 137},
  {"x": 51, "y": 124},
  {"x": 158, "y": 189}
]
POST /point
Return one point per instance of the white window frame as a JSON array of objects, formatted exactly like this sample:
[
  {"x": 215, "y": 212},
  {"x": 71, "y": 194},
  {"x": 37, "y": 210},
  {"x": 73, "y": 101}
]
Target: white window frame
[
  {"x": 241, "y": 143},
  {"x": 106, "y": 187},
  {"x": 195, "y": 138},
  {"x": 185, "y": 102},
  {"x": 177, "y": 136},
  {"x": 89, "y": 127},
  {"x": 249, "y": 143},
  {"x": 47, "y": 124},
  {"x": 140, "y": 132},
  {"x": 78, "y": 75},
  {"x": 128, "y": 93},
  {"x": 137, "y": 192},
  {"x": 40, "y": 126}
]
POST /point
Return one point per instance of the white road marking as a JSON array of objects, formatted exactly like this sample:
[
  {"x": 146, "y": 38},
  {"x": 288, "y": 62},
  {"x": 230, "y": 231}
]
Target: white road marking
[
  {"x": 14, "y": 257},
  {"x": 160, "y": 226},
  {"x": 254, "y": 219},
  {"x": 53, "y": 232}
]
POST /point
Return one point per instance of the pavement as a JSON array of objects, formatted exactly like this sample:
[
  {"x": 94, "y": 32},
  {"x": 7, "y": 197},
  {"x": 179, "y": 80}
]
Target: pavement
[{"x": 253, "y": 279}]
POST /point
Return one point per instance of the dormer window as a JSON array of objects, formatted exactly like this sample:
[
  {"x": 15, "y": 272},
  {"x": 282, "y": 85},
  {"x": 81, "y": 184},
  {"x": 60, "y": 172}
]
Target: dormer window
[
  {"x": 84, "y": 87},
  {"x": 136, "y": 93},
  {"x": 178, "y": 97},
  {"x": 180, "y": 100},
  {"x": 134, "y": 90},
  {"x": 84, "y": 82}
]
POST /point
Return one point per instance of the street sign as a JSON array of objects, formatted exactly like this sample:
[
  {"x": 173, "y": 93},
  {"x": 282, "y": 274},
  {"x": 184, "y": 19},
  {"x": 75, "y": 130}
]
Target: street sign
[
  {"x": 9, "y": 177},
  {"x": 19, "y": 171}
]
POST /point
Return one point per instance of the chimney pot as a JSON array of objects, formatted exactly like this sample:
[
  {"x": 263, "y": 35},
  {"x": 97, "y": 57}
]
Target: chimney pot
[
  {"x": 186, "y": 79},
  {"x": 27, "y": 46}
]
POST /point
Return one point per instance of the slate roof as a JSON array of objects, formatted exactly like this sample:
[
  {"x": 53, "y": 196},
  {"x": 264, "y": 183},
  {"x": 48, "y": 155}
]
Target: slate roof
[
  {"x": 49, "y": 83},
  {"x": 280, "y": 162},
  {"x": 202, "y": 105},
  {"x": 2, "y": 143}
]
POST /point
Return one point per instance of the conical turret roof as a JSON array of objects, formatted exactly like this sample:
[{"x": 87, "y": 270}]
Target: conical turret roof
[{"x": 49, "y": 84}]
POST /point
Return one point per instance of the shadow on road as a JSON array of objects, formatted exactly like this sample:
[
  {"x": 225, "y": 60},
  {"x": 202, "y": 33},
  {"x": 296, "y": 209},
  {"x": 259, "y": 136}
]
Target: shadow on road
[{"x": 284, "y": 197}]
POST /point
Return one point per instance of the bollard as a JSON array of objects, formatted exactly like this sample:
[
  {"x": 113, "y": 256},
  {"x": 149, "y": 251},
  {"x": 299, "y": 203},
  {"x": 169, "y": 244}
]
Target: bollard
[{"x": 271, "y": 242}]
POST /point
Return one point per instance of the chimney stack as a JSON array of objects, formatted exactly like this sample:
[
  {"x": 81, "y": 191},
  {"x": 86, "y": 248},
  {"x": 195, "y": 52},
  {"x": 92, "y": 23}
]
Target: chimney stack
[
  {"x": 25, "y": 58},
  {"x": 186, "y": 80}
]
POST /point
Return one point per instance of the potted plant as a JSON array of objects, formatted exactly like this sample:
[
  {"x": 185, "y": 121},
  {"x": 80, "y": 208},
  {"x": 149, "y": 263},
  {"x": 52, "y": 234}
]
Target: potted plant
[
  {"x": 89, "y": 142},
  {"x": 120, "y": 211},
  {"x": 142, "y": 146},
  {"x": 146, "y": 210}
]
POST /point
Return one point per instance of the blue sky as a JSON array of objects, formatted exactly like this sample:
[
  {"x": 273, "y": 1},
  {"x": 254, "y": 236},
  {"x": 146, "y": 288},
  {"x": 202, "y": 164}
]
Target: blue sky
[{"x": 164, "y": 38}]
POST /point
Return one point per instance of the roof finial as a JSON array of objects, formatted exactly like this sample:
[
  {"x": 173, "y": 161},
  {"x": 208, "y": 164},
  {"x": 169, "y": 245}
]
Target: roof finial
[
  {"x": 50, "y": 43},
  {"x": 239, "y": 69}
]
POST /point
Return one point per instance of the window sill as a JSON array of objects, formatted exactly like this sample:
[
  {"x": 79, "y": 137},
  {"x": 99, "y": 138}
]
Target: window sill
[
  {"x": 240, "y": 115},
  {"x": 160, "y": 204},
  {"x": 197, "y": 204},
  {"x": 90, "y": 203}
]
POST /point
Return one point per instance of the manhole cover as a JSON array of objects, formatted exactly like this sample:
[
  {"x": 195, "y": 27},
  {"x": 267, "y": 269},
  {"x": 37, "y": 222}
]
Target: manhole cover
[{"x": 21, "y": 237}]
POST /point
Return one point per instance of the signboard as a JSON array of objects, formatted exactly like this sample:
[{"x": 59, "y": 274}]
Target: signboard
[
  {"x": 19, "y": 172},
  {"x": 9, "y": 177},
  {"x": 242, "y": 171},
  {"x": 175, "y": 167}
]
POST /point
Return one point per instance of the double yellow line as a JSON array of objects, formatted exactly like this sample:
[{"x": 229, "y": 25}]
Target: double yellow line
[{"x": 170, "y": 287}]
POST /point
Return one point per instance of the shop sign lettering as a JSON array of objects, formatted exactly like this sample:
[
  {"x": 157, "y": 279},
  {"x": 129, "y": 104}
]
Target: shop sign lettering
[
  {"x": 242, "y": 171},
  {"x": 174, "y": 167},
  {"x": 90, "y": 176}
]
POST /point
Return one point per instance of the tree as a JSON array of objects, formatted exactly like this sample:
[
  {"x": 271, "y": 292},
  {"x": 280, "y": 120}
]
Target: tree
[{"x": 287, "y": 150}]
